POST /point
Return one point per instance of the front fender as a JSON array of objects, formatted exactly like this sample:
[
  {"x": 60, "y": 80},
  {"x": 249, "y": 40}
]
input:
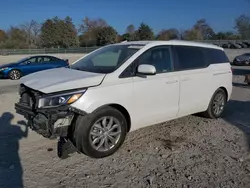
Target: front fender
[
  {"x": 6, "y": 72},
  {"x": 95, "y": 98}
]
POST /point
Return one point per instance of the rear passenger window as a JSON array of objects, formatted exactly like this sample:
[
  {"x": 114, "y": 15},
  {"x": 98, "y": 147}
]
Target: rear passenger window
[
  {"x": 189, "y": 58},
  {"x": 215, "y": 56},
  {"x": 47, "y": 59}
]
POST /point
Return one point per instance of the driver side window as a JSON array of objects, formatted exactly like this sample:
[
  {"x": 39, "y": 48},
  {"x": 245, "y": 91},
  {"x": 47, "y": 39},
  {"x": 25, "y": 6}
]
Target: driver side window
[{"x": 159, "y": 57}]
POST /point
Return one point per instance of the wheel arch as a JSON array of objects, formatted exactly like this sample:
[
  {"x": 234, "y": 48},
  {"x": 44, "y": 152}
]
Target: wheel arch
[
  {"x": 221, "y": 87},
  {"x": 225, "y": 90},
  {"x": 121, "y": 109},
  {"x": 14, "y": 68}
]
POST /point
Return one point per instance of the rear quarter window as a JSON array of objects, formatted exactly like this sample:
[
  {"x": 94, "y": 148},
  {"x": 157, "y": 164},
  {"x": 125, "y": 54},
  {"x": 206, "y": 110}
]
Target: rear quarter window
[
  {"x": 216, "y": 56},
  {"x": 50, "y": 59}
]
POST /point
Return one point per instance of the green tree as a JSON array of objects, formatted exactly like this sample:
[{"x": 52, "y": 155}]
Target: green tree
[
  {"x": 16, "y": 38},
  {"x": 130, "y": 29},
  {"x": 144, "y": 32},
  {"x": 204, "y": 29},
  {"x": 70, "y": 34},
  {"x": 106, "y": 35},
  {"x": 119, "y": 38},
  {"x": 56, "y": 32},
  {"x": 91, "y": 24},
  {"x": 49, "y": 34},
  {"x": 129, "y": 34},
  {"x": 32, "y": 30},
  {"x": 168, "y": 34},
  {"x": 89, "y": 30},
  {"x": 242, "y": 24},
  {"x": 192, "y": 34},
  {"x": 3, "y": 38}
]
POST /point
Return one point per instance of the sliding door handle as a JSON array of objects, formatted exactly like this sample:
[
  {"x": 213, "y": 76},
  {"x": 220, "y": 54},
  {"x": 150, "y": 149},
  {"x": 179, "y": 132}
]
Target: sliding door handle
[
  {"x": 185, "y": 79},
  {"x": 171, "y": 81}
]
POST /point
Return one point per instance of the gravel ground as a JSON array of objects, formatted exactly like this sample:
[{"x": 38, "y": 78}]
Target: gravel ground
[{"x": 187, "y": 152}]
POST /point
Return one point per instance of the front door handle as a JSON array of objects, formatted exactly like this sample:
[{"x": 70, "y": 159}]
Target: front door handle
[{"x": 171, "y": 81}]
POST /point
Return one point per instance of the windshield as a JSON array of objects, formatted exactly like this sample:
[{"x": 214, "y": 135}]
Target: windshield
[{"x": 106, "y": 59}]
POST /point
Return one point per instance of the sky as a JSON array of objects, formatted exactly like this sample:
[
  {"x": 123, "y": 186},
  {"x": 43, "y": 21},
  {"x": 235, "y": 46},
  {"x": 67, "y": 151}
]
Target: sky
[{"x": 159, "y": 14}]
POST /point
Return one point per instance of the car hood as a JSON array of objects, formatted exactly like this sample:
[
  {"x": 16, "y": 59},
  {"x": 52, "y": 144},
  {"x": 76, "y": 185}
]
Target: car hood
[
  {"x": 8, "y": 65},
  {"x": 61, "y": 79}
]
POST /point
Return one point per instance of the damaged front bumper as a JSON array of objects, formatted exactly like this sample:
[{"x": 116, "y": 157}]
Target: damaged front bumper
[{"x": 49, "y": 122}]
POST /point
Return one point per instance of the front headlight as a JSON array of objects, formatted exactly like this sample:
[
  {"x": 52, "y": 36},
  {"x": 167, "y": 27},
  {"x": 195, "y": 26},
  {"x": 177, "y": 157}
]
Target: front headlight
[
  {"x": 2, "y": 69},
  {"x": 59, "y": 100}
]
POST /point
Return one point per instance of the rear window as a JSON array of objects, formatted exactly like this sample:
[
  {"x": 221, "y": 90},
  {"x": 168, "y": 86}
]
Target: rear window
[
  {"x": 215, "y": 56},
  {"x": 49, "y": 59}
]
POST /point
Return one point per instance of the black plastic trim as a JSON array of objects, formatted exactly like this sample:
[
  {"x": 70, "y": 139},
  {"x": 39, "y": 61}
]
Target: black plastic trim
[{"x": 24, "y": 110}]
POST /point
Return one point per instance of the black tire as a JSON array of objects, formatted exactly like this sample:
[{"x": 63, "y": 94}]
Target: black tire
[
  {"x": 15, "y": 74},
  {"x": 84, "y": 125},
  {"x": 210, "y": 112}
]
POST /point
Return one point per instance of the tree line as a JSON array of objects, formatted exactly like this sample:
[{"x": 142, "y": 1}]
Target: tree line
[{"x": 62, "y": 33}]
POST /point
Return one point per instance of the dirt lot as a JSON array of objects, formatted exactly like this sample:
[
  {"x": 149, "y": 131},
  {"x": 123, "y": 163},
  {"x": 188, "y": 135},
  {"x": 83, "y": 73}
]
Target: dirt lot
[{"x": 188, "y": 152}]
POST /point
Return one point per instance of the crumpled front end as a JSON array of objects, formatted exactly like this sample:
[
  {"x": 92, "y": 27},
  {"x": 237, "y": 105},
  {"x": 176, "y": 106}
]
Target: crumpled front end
[{"x": 49, "y": 122}]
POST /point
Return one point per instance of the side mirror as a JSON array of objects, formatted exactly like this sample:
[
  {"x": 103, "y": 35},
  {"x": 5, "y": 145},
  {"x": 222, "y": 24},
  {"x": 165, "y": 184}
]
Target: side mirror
[{"x": 146, "y": 69}]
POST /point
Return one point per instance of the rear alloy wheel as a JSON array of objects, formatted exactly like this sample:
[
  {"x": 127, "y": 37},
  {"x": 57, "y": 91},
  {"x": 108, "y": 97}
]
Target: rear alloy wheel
[
  {"x": 217, "y": 105},
  {"x": 101, "y": 133},
  {"x": 15, "y": 74}
]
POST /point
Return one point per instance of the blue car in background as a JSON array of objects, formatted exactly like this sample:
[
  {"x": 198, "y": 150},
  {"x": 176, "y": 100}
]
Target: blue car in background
[{"x": 30, "y": 65}]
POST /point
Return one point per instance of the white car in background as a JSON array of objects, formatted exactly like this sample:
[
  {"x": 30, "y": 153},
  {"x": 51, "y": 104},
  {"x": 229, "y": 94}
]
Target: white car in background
[{"x": 123, "y": 87}]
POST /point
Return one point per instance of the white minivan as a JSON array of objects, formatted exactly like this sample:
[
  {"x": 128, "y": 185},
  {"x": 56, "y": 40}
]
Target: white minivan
[{"x": 122, "y": 87}]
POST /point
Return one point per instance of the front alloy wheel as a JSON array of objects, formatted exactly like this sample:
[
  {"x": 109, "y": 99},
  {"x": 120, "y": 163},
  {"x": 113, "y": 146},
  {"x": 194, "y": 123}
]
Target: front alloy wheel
[
  {"x": 15, "y": 74},
  {"x": 105, "y": 133},
  {"x": 101, "y": 133}
]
